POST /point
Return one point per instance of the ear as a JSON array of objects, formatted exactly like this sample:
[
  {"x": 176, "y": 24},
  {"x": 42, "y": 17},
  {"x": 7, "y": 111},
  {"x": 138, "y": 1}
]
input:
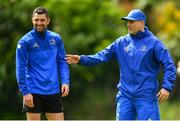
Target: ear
[
  {"x": 32, "y": 19},
  {"x": 49, "y": 20},
  {"x": 143, "y": 23}
]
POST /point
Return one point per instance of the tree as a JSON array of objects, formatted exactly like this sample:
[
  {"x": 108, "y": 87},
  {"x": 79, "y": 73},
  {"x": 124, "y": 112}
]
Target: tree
[{"x": 86, "y": 27}]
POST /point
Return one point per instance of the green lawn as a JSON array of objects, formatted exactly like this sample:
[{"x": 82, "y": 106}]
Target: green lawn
[{"x": 170, "y": 111}]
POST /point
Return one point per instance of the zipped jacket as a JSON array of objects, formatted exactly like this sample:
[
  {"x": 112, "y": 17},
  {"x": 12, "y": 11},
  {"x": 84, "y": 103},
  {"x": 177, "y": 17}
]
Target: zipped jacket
[
  {"x": 40, "y": 63},
  {"x": 140, "y": 58}
]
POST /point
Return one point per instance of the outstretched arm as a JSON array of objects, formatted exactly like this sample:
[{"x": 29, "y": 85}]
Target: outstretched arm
[
  {"x": 72, "y": 59},
  {"x": 90, "y": 60}
]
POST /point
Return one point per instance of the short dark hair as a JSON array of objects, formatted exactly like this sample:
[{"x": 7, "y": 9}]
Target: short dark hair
[{"x": 41, "y": 10}]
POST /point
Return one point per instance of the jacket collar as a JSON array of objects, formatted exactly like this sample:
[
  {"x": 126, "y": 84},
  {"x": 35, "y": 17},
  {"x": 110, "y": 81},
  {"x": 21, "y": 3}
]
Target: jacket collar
[{"x": 39, "y": 34}]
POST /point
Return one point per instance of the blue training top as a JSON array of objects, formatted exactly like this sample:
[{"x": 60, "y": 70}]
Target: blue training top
[
  {"x": 40, "y": 62},
  {"x": 140, "y": 58}
]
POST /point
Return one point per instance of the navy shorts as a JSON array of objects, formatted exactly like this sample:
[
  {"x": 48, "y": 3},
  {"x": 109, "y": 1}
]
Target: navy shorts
[{"x": 45, "y": 104}]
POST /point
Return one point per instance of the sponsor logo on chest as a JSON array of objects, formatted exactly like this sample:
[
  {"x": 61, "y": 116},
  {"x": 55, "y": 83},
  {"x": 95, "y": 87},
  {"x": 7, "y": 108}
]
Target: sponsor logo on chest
[
  {"x": 35, "y": 45},
  {"x": 143, "y": 48},
  {"x": 52, "y": 42}
]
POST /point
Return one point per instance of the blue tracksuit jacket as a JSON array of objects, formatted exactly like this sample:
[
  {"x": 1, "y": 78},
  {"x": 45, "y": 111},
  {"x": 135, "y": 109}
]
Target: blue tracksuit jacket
[
  {"x": 40, "y": 62},
  {"x": 140, "y": 58}
]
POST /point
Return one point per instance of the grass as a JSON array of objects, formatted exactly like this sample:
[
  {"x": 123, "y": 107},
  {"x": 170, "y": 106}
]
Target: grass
[{"x": 170, "y": 110}]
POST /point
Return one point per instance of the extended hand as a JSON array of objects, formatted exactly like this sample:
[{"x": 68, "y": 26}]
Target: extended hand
[
  {"x": 163, "y": 95},
  {"x": 28, "y": 100},
  {"x": 72, "y": 59},
  {"x": 65, "y": 90}
]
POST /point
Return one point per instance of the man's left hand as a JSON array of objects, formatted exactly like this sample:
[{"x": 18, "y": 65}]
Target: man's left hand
[
  {"x": 65, "y": 90},
  {"x": 163, "y": 95}
]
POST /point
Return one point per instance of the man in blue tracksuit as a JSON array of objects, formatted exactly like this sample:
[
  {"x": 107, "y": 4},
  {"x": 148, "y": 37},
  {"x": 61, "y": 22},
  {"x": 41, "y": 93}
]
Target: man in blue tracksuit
[
  {"x": 140, "y": 56},
  {"x": 40, "y": 62}
]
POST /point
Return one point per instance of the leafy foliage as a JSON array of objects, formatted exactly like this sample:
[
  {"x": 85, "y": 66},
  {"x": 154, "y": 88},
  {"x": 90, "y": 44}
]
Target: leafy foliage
[
  {"x": 168, "y": 17},
  {"x": 86, "y": 27}
]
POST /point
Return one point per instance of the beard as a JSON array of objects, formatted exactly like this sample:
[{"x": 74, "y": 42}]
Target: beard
[
  {"x": 40, "y": 28},
  {"x": 132, "y": 32}
]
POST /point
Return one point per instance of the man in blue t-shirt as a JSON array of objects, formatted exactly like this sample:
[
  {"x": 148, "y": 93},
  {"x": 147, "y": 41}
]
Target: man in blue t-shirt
[
  {"x": 40, "y": 64},
  {"x": 140, "y": 56}
]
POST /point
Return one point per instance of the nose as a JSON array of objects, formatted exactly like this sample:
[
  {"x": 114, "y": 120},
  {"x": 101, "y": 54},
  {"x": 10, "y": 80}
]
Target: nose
[{"x": 39, "y": 22}]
